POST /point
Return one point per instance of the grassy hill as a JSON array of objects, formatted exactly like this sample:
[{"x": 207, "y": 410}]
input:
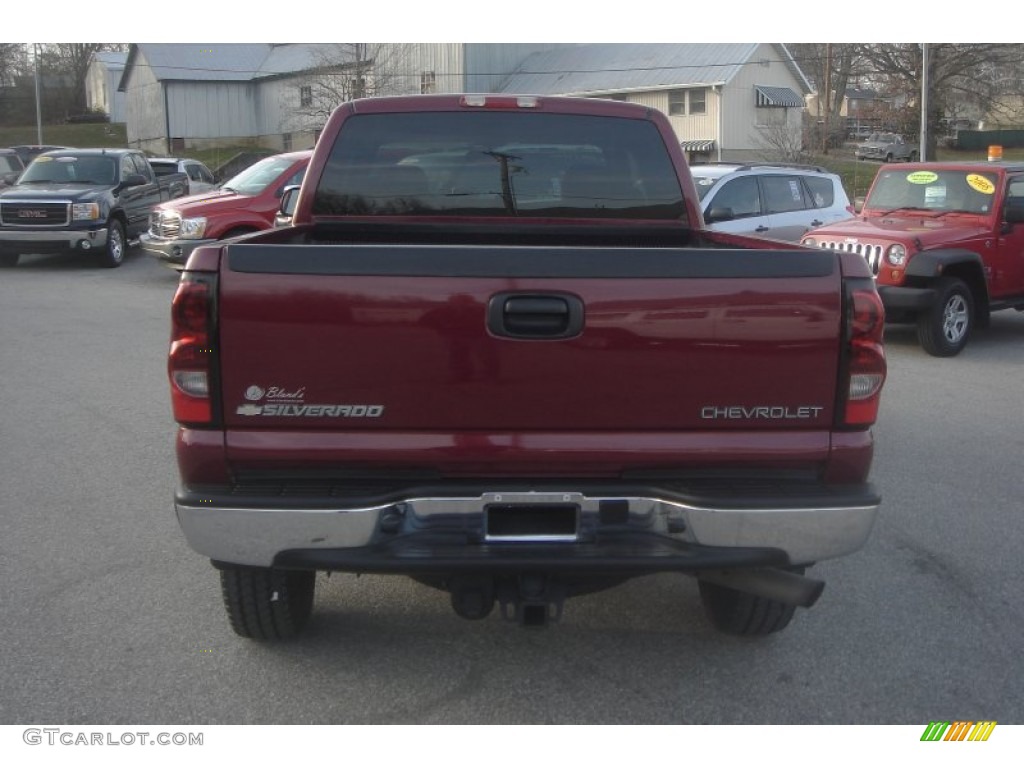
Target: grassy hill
[
  {"x": 111, "y": 135},
  {"x": 71, "y": 135}
]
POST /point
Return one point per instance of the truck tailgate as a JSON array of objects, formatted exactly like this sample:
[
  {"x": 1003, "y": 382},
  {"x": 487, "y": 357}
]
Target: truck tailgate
[{"x": 518, "y": 339}]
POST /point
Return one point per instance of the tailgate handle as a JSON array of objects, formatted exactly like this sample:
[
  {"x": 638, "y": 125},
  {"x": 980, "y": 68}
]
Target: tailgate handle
[{"x": 535, "y": 315}]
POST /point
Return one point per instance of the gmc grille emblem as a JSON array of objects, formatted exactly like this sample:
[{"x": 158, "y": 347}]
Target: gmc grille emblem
[{"x": 23, "y": 214}]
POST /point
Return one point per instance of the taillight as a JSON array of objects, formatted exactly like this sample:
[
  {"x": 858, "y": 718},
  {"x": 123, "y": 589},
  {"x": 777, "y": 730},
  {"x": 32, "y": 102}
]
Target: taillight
[
  {"x": 191, "y": 360},
  {"x": 865, "y": 354}
]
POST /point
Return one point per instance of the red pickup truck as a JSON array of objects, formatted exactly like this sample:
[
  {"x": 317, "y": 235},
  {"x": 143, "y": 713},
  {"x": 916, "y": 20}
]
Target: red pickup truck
[
  {"x": 243, "y": 204},
  {"x": 498, "y": 352},
  {"x": 945, "y": 242}
]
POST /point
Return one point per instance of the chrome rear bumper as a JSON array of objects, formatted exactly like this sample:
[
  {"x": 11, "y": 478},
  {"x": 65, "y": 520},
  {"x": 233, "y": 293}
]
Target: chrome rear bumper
[{"x": 258, "y": 535}]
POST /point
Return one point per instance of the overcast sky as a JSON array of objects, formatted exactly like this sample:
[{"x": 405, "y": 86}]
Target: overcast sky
[{"x": 626, "y": 21}]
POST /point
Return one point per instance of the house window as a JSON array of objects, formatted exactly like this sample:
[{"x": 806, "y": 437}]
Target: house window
[
  {"x": 286, "y": 141},
  {"x": 771, "y": 117},
  {"x": 689, "y": 101},
  {"x": 428, "y": 82},
  {"x": 677, "y": 102},
  {"x": 306, "y": 96},
  {"x": 698, "y": 101}
]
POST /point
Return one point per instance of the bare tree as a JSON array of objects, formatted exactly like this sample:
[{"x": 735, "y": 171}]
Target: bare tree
[
  {"x": 13, "y": 62},
  {"x": 831, "y": 67},
  {"x": 70, "y": 62},
  {"x": 957, "y": 72},
  {"x": 16, "y": 95},
  {"x": 780, "y": 143},
  {"x": 342, "y": 72}
]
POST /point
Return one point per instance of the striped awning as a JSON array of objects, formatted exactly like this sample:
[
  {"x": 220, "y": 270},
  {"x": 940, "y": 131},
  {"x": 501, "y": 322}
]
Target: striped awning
[
  {"x": 777, "y": 96},
  {"x": 698, "y": 145}
]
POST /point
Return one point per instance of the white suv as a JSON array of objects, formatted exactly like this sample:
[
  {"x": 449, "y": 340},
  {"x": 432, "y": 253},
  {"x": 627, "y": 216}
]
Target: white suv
[{"x": 777, "y": 201}]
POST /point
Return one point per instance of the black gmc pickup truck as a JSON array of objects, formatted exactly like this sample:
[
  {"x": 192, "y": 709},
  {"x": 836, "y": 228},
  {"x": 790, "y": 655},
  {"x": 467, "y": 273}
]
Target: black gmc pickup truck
[{"x": 88, "y": 201}]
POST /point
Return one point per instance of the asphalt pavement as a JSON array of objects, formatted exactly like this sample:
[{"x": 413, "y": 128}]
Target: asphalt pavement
[{"x": 109, "y": 617}]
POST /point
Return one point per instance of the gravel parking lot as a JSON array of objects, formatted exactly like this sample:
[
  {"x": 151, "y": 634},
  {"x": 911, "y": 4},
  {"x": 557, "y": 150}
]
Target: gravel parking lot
[{"x": 110, "y": 618}]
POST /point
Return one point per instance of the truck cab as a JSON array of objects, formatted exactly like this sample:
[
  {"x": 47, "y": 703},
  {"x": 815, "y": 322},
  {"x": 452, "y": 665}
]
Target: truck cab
[{"x": 945, "y": 242}]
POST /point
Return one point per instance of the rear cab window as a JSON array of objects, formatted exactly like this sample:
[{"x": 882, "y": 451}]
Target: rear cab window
[
  {"x": 499, "y": 164},
  {"x": 163, "y": 169}
]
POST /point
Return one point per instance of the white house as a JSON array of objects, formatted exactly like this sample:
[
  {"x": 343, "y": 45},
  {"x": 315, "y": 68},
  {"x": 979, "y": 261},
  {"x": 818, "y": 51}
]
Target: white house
[
  {"x": 102, "y": 79},
  {"x": 725, "y": 100}
]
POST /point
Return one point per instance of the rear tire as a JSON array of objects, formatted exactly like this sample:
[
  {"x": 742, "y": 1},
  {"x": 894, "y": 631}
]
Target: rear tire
[
  {"x": 267, "y": 603},
  {"x": 743, "y": 614},
  {"x": 8, "y": 260},
  {"x": 943, "y": 329}
]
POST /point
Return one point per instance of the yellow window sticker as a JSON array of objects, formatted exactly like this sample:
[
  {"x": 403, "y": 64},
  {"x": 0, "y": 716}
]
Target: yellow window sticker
[
  {"x": 44, "y": 159},
  {"x": 922, "y": 177},
  {"x": 980, "y": 184}
]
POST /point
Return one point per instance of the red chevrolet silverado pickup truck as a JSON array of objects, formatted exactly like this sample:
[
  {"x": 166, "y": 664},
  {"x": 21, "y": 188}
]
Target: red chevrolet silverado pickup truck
[
  {"x": 498, "y": 352},
  {"x": 945, "y": 242}
]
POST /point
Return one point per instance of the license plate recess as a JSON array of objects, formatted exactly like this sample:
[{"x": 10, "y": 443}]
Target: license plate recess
[{"x": 536, "y": 521}]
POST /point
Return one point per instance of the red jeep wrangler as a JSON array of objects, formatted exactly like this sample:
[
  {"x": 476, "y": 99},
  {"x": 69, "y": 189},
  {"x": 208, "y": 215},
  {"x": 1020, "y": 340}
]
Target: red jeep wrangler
[{"x": 945, "y": 242}]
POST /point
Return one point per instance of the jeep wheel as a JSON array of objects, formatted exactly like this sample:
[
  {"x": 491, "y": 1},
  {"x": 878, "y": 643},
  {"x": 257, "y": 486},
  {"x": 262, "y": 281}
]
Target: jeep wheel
[
  {"x": 912, "y": 157},
  {"x": 266, "y": 603},
  {"x": 740, "y": 613},
  {"x": 888, "y": 158},
  {"x": 943, "y": 329},
  {"x": 113, "y": 254},
  {"x": 9, "y": 259}
]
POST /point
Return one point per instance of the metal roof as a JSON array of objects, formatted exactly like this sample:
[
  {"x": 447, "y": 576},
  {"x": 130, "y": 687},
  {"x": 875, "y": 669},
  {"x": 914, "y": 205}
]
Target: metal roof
[
  {"x": 219, "y": 62},
  {"x": 284, "y": 59},
  {"x": 199, "y": 61},
  {"x": 618, "y": 67},
  {"x": 112, "y": 59}
]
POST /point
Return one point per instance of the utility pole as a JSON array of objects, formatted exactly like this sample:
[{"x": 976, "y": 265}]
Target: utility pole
[
  {"x": 925, "y": 83},
  {"x": 828, "y": 101},
  {"x": 39, "y": 110}
]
